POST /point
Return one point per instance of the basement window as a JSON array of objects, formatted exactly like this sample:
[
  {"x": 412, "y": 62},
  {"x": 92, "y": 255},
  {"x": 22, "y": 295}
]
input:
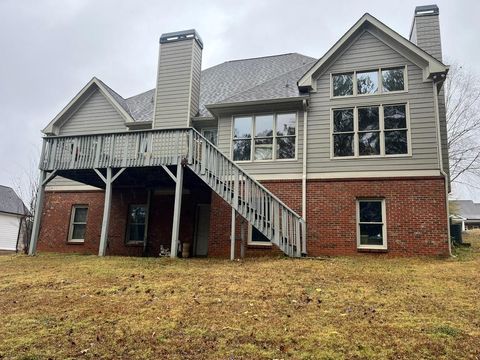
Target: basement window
[
  {"x": 136, "y": 227},
  {"x": 255, "y": 237},
  {"x": 78, "y": 224},
  {"x": 371, "y": 226}
]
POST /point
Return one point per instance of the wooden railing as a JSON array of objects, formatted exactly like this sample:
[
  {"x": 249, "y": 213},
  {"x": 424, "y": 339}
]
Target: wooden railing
[
  {"x": 123, "y": 149},
  {"x": 248, "y": 197}
]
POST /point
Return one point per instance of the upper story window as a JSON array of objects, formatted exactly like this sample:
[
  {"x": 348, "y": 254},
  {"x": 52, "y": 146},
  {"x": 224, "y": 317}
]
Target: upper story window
[
  {"x": 378, "y": 130},
  {"x": 264, "y": 137},
  {"x": 370, "y": 82}
]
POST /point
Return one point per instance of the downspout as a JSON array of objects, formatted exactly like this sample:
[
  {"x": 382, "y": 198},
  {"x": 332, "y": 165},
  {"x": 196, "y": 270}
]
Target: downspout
[
  {"x": 304, "y": 160},
  {"x": 440, "y": 160},
  {"x": 304, "y": 174}
]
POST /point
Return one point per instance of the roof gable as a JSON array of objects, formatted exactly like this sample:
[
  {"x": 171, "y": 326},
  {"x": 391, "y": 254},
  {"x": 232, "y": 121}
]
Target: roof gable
[
  {"x": 118, "y": 103},
  {"x": 428, "y": 63}
]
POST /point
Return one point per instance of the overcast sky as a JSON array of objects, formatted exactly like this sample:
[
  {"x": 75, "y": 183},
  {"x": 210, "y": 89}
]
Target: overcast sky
[{"x": 50, "y": 49}]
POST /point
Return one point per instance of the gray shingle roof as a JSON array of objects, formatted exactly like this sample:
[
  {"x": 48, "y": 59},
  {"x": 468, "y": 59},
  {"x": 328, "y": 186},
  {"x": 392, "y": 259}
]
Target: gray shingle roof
[
  {"x": 10, "y": 202},
  {"x": 467, "y": 209},
  {"x": 270, "y": 77}
]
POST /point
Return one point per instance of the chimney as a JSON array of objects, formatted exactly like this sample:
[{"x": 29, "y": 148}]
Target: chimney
[
  {"x": 178, "y": 79},
  {"x": 425, "y": 31}
]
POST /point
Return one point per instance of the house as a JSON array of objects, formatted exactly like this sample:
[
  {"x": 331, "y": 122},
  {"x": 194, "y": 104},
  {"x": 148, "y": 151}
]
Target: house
[
  {"x": 12, "y": 219},
  {"x": 466, "y": 213},
  {"x": 344, "y": 154}
]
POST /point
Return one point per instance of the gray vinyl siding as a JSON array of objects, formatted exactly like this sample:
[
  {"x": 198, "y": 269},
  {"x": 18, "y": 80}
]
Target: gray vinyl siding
[
  {"x": 179, "y": 62},
  {"x": 95, "y": 115},
  {"x": 60, "y": 183},
  {"x": 367, "y": 52},
  {"x": 426, "y": 34},
  {"x": 270, "y": 167}
]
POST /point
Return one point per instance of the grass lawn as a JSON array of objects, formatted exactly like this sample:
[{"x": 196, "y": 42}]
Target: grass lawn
[{"x": 68, "y": 306}]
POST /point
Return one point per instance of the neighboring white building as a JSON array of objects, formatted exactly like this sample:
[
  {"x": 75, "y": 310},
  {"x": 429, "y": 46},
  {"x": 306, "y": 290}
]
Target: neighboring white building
[{"x": 12, "y": 214}]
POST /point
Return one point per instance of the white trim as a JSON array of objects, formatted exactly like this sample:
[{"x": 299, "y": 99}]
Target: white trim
[
  {"x": 383, "y": 223},
  {"x": 433, "y": 65},
  {"x": 350, "y": 175},
  {"x": 72, "y": 224},
  {"x": 61, "y": 188},
  {"x": 255, "y": 243}
]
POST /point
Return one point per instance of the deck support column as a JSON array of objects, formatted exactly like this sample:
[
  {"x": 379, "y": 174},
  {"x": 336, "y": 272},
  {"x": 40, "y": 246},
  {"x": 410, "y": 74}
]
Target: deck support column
[
  {"x": 32, "y": 248},
  {"x": 177, "y": 209},
  {"x": 108, "y": 180},
  {"x": 232, "y": 236},
  {"x": 102, "y": 249}
]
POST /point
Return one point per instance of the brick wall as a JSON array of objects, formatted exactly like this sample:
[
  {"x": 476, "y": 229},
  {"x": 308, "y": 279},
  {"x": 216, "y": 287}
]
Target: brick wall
[
  {"x": 415, "y": 216},
  {"x": 57, "y": 211}
]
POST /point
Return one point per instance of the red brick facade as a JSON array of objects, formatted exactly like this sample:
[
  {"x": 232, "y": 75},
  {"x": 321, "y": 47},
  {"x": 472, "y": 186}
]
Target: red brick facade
[{"x": 415, "y": 218}]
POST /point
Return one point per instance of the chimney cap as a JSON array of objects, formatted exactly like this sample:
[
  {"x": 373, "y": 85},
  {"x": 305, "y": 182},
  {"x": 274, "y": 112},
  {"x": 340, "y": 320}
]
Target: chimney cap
[
  {"x": 181, "y": 36},
  {"x": 427, "y": 10}
]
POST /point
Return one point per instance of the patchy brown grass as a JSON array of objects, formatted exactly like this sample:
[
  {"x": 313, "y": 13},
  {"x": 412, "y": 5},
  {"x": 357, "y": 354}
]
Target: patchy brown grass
[{"x": 66, "y": 306}]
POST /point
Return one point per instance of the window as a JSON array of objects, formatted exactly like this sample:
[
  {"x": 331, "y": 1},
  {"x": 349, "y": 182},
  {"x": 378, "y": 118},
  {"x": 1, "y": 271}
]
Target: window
[
  {"x": 369, "y": 82},
  {"x": 255, "y": 237},
  {"x": 393, "y": 79},
  {"x": 137, "y": 215},
  {"x": 78, "y": 224},
  {"x": 343, "y": 84},
  {"x": 380, "y": 130},
  {"x": 264, "y": 137},
  {"x": 210, "y": 134},
  {"x": 371, "y": 228},
  {"x": 343, "y": 132}
]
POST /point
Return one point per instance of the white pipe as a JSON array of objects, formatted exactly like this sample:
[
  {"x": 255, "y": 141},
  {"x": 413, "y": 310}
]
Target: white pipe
[{"x": 304, "y": 160}]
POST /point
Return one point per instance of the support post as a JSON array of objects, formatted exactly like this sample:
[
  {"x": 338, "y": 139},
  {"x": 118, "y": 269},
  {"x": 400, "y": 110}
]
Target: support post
[
  {"x": 177, "y": 209},
  {"x": 243, "y": 239},
  {"x": 32, "y": 248},
  {"x": 232, "y": 236},
  {"x": 102, "y": 249}
]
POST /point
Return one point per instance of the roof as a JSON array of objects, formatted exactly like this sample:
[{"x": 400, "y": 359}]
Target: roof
[
  {"x": 467, "y": 209},
  {"x": 429, "y": 64},
  {"x": 273, "y": 78},
  {"x": 10, "y": 202}
]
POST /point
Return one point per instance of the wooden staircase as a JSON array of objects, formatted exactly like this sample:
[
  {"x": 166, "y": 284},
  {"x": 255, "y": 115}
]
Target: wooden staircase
[{"x": 262, "y": 209}]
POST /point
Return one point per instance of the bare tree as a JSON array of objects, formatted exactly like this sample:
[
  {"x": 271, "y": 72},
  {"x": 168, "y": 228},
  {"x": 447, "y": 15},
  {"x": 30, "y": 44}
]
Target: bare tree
[
  {"x": 462, "y": 96},
  {"x": 26, "y": 186}
]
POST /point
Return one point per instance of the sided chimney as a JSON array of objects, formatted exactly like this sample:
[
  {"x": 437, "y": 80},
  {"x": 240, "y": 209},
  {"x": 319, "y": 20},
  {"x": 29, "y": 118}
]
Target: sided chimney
[
  {"x": 425, "y": 31},
  {"x": 178, "y": 80}
]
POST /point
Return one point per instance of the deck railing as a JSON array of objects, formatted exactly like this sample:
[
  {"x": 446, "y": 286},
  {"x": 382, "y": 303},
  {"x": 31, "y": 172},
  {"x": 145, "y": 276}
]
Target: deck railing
[{"x": 248, "y": 197}]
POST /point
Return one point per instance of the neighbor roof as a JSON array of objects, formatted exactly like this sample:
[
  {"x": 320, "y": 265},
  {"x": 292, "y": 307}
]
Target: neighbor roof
[
  {"x": 10, "y": 202},
  {"x": 467, "y": 209}
]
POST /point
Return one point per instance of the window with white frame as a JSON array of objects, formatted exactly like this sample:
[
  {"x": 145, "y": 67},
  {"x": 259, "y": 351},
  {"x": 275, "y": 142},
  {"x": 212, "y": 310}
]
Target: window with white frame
[
  {"x": 78, "y": 224},
  {"x": 371, "y": 226},
  {"x": 369, "y": 82},
  {"x": 136, "y": 227},
  {"x": 255, "y": 237},
  {"x": 264, "y": 137},
  {"x": 378, "y": 130}
]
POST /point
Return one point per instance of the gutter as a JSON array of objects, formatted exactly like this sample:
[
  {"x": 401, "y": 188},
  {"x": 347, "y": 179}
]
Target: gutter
[{"x": 440, "y": 162}]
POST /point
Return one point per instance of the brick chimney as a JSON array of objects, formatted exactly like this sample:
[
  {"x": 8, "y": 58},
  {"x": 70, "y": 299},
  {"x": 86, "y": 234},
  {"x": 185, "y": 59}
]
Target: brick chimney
[
  {"x": 178, "y": 80},
  {"x": 425, "y": 31}
]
